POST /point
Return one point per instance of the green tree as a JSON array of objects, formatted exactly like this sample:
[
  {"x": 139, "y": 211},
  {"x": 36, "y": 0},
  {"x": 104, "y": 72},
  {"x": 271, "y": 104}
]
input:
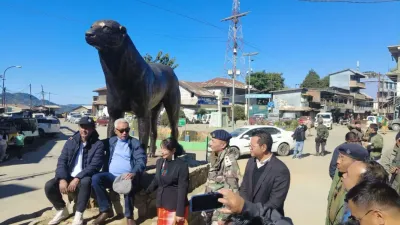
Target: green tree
[
  {"x": 324, "y": 82},
  {"x": 239, "y": 113},
  {"x": 164, "y": 117},
  {"x": 163, "y": 59},
  {"x": 266, "y": 81},
  {"x": 201, "y": 111},
  {"x": 312, "y": 80}
]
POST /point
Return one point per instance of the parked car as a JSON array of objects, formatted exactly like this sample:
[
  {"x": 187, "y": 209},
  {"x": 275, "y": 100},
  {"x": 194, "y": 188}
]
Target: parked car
[
  {"x": 240, "y": 141},
  {"x": 48, "y": 126},
  {"x": 306, "y": 120},
  {"x": 373, "y": 119},
  {"x": 75, "y": 118},
  {"x": 344, "y": 121},
  {"x": 102, "y": 121},
  {"x": 69, "y": 116},
  {"x": 327, "y": 119},
  {"x": 257, "y": 119},
  {"x": 394, "y": 124}
]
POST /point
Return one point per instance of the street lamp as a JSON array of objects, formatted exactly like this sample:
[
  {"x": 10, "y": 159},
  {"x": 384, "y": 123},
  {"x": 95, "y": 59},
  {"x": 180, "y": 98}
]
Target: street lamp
[
  {"x": 248, "y": 82},
  {"x": 4, "y": 78}
]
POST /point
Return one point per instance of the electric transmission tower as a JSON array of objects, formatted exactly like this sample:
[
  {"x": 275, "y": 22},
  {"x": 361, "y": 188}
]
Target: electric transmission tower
[{"x": 234, "y": 46}]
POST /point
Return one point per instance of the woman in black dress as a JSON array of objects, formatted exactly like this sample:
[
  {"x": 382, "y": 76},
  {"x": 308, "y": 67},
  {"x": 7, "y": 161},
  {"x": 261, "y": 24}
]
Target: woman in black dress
[{"x": 171, "y": 181}]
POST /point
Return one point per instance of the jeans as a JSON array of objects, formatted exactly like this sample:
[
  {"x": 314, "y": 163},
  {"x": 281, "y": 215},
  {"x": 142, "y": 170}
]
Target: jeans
[
  {"x": 52, "y": 190},
  {"x": 104, "y": 180},
  {"x": 298, "y": 149}
]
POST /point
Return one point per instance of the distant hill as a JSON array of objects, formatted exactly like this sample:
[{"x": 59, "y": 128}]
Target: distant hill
[{"x": 25, "y": 99}]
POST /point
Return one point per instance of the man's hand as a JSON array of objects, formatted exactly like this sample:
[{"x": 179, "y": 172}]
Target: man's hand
[
  {"x": 129, "y": 176},
  {"x": 72, "y": 186},
  {"x": 63, "y": 186},
  {"x": 232, "y": 201},
  {"x": 394, "y": 170}
]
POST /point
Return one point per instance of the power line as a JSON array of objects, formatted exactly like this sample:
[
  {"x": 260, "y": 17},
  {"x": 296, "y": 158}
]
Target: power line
[{"x": 352, "y": 1}]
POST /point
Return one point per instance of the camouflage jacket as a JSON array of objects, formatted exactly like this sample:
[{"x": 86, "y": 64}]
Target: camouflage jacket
[
  {"x": 359, "y": 133},
  {"x": 224, "y": 173},
  {"x": 322, "y": 133},
  {"x": 389, "y": 160},
  {"x": 336, "y": 208},
  {"x": 376, "y": 146}
]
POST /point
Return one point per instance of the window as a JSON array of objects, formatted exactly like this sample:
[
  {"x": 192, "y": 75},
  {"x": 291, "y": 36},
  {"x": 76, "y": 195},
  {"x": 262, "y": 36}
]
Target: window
[
  {"x": 192, "y": 95},
  {"x": 228, "y": 91},
  {"x": 271, "y": 130},
  {"x": 237, "y": 132}
]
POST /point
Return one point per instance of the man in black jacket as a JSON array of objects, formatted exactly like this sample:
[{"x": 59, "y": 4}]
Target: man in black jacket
[
  {"x": 80, "y": 159},
  {"x": 266, "y": 179},
  {"x": 299, "y": 135}
]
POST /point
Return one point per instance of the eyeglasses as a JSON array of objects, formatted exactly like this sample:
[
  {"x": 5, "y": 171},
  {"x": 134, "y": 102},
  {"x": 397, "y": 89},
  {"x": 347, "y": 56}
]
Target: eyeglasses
[
  {"x": 123, "y": 130},
  {"x": 359, "y": 219}
]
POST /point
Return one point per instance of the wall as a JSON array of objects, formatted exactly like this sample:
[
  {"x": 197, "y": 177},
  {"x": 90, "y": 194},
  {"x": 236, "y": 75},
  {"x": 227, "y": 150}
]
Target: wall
[
  {"x": 288, "y": 99},
  {"x": 340, "y": 80},
  {"x": 186, "y": 97}
]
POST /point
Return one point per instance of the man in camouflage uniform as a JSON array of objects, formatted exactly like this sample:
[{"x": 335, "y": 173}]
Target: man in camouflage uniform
[
  {"x": 375, "y": 143},
  {"x": 224, "y": 172},
  {"x": 356, "y": 128},
  {"x": 391, "y": 162},
  {"x": 322, "y": 136}
]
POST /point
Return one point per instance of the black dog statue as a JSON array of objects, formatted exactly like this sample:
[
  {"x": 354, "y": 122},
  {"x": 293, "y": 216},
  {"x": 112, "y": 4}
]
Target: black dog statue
[{"x": 134, "y": 85}]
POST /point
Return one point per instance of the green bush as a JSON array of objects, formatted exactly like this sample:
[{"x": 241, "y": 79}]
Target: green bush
[
  {"x": 294, "y": 123},
  {"x": 239, "y": 113},
  {"x": 164, "y": 118}
]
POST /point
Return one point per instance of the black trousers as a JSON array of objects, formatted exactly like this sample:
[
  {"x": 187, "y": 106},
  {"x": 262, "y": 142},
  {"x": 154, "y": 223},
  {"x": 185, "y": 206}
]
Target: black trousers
[
  {"x": 322, "y": 144},
  {"x": 52, "y": 190}
]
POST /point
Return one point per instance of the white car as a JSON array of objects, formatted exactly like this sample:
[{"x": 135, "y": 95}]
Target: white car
[
  {"x": 282, "y": 140},
  {"x": 48, "y": 126}
]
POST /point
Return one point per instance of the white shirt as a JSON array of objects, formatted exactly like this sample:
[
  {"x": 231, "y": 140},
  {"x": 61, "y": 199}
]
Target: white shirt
[
  {"x": 78, "y": 162},
  {"x": 260, "y": 164}
]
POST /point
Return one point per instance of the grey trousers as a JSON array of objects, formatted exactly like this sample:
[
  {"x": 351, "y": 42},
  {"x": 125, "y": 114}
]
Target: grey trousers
[{"x": 3, "y": 149}]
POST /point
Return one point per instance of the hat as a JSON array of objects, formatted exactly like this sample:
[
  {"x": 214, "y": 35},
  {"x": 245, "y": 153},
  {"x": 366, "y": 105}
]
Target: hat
[
  {"x": 354, "y": 151},
  {"x": 122, "y": 186},
  {"x": 222, "y": 135},
  {"x": 86, "y": 121}
]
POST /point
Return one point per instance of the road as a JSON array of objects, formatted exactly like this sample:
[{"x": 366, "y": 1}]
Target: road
[{"x": 22, "y": 195}]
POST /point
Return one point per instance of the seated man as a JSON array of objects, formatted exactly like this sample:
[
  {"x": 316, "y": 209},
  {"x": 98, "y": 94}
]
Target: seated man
[
  {"x": 80, "y": 159},
  {"x": 126, "y": 156}
]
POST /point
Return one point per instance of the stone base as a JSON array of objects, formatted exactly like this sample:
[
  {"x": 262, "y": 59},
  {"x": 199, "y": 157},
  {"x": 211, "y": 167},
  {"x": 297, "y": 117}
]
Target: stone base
[{"x": 145, "y": 205}]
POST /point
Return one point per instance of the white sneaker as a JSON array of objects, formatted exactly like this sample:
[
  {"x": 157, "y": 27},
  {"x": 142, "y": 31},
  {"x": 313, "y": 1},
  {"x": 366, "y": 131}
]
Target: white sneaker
[
  {"x": 60, "y": 216},
  {"x": 78, "y": 219}
]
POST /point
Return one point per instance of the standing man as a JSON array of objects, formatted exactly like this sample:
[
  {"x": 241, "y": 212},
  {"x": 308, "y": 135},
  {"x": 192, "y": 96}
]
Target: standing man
[
  {"x": 266, "y": 179},
  {"x": 126, "y": 158},
  {"x": 80, "y": 159},
  {"x": 384, "y": 124},
  {"x": 322, "y": 136},
  {"x": 350, "y": 138},
  {"x": 224, "y": 172},
  {"x": 348, "y": 154},
  {"x": 375, "y": 142},
  {"x": 391, "y": 162},
  {"x": 357, "y": 130},
  {"x": 299, "y": 135}
]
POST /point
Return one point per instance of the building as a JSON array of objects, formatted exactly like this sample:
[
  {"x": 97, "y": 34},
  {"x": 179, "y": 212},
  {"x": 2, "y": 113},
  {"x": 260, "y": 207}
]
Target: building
[
  {"x": 83, "y": 109},
  {"x": 100, "y": 101},
  {"x": 47, "y": 109},
  {"x": 350, "y": 80},
  {"x": 384, "y": 89},
  {"x": 394, "y": 75},
  {"x": 293, "y": 103},
  {"x": 13, "y": 108}
]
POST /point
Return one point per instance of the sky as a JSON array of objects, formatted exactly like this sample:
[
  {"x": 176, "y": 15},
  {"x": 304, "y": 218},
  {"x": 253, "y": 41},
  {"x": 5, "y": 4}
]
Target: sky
[{"x": 47, "y": 39}]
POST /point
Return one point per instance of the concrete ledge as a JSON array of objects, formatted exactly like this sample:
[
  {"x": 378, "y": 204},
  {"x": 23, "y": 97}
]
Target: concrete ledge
[{"x": 145, "y": 205}]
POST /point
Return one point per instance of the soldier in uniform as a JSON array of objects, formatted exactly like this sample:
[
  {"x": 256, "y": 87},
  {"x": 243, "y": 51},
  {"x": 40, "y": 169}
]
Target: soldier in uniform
[
  {"x": 322, "y": 136},
  {"x": 375, "y": 143},
  {"x": 224, "y": 172},
  {"x": 357, "y": 130}
]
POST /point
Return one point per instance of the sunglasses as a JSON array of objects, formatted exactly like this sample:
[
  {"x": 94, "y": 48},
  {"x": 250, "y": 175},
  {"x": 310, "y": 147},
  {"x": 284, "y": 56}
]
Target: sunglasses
[{"x": 123, "y": 130}]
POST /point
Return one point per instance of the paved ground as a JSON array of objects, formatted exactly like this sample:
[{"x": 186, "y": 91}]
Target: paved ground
[{"x": 22, "y": 195}]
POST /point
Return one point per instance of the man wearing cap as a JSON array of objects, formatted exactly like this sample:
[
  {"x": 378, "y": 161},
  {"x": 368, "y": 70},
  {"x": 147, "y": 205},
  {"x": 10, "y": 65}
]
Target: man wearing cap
[
  {"x": 126, "y": 161},
  {"x": 80, "y": 159},
  {"x": 350, "y": 137},
  {"x": 224, "y": 172},
  {"x": 357, "y": 130},
  {"x": 348, "y": 153},
  {"x": 375, "y": 142}
]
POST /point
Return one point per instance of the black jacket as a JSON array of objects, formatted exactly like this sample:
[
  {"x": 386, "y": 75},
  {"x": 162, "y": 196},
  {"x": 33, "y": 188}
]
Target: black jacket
[
  {"x": 300, "y": 133},
  {"x": 271, "y": 189},
  {"x": 172, "y": 189},
  {"x": 93, "y": 154}
]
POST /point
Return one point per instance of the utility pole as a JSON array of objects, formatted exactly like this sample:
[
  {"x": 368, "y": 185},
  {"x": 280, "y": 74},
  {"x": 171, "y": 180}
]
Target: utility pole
[
  {"x": 30, "y": 96},
  {"x": 234, "y": 34},
  {"x": 42, "y": 98},
  {"x": 379, "y": 91},
  {"x": 250, "y": 71},
  {"x": 4, "y": 87}
]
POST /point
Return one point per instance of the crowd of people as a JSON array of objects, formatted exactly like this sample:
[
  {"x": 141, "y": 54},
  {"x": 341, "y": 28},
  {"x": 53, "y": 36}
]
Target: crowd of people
[{"x": 364, "y": 187}]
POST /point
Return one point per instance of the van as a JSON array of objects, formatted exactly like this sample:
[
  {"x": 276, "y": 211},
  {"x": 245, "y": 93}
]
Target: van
[{"x": 327, "y": 119}]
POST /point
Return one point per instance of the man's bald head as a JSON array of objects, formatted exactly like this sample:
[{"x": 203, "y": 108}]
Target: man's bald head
[{"x": 364, "y": 171}]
